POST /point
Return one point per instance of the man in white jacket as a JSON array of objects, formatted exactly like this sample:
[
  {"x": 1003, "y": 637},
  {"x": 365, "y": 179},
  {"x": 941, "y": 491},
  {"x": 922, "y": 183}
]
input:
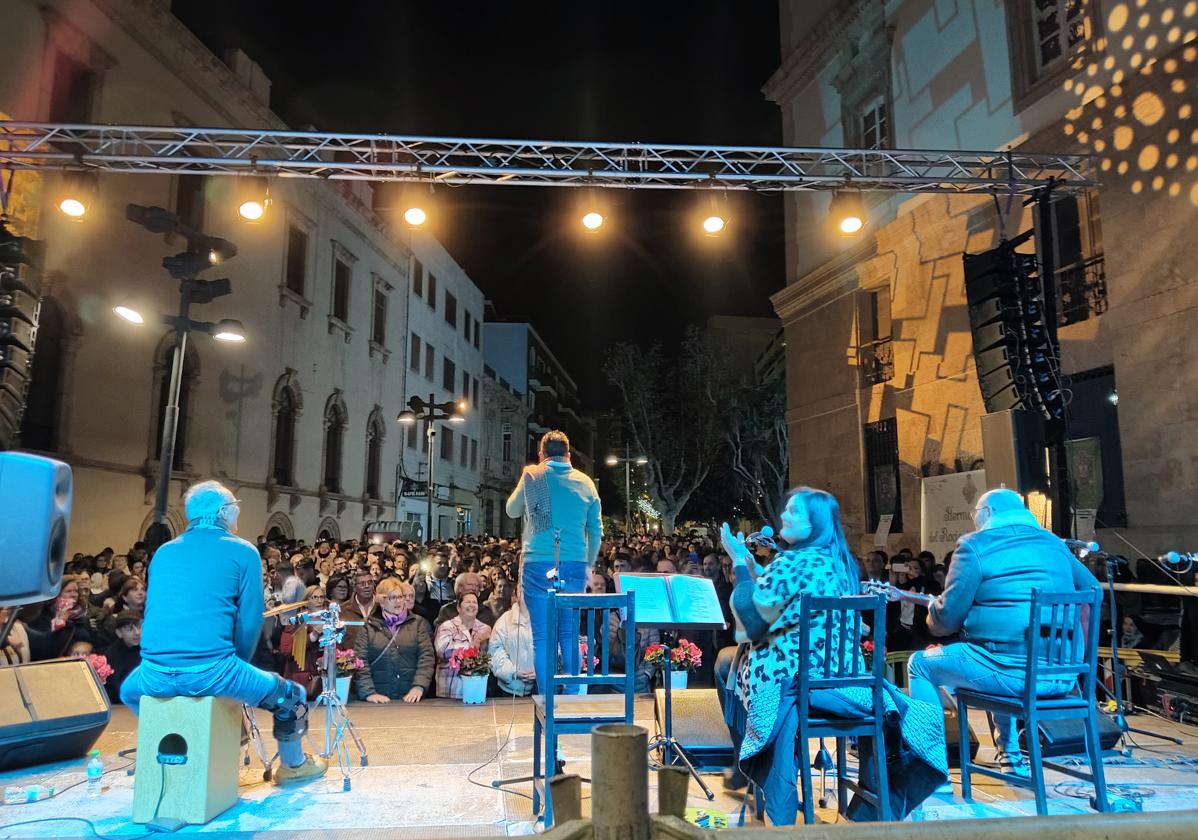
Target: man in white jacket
[{"x": 512, "y": 651}]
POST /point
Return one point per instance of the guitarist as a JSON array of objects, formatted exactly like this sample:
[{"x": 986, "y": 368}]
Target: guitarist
[{"x": 985, "y": 600}]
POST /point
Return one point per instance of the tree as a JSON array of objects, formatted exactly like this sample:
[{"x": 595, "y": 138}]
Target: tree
[
  {"x": 673, "y": 415},
  {"x": 756, "y": 441}
]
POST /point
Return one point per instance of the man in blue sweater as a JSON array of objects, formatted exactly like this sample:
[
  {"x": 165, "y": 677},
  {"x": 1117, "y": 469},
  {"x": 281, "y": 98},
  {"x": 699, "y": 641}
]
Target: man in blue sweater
[
  {"x": 203, "y": 615},
  {"x": 986, "y": 600}
]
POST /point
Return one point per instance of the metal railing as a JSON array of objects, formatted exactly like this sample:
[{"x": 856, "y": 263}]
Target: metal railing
[
  {"x": 876, "y": 361},
  {"x": 1081, "y": 290}
]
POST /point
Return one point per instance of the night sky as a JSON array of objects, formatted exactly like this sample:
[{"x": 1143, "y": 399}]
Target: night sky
[{"x": 669, "y": 72}]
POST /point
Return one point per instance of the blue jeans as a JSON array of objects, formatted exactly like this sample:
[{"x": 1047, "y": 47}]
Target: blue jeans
[
  {"x": 536, "y": 588},
  {"x": 964, "y": 665},
  {"x": 229, "y": 677}
]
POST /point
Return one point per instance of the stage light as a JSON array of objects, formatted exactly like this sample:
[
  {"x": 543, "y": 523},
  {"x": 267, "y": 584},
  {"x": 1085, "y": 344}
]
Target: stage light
[
  {"x": 229, "y": 330},
  {"x": 406, "y": 416},
  {"x": 847, "y": 212},
  {"x": 415, "y": 216},
  {"x": 253, "y": 198},
  {"x": 129, "y": 314},
  {"x": 78, "y": 189},
  {"x": 462, "y": 406},
  {"x": 457, "y": 417},
  {"x": 611, "y": 460},
  {"x": 592, "y": 220},
  {"x": 714, "y": 225}
]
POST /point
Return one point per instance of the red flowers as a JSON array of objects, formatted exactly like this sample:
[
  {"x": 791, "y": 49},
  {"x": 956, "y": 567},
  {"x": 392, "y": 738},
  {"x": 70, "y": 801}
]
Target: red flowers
[
  {"x": 470, "y": 662},
  {"x": 100, "y": 665},
  {"x": 685, "y": 656}
]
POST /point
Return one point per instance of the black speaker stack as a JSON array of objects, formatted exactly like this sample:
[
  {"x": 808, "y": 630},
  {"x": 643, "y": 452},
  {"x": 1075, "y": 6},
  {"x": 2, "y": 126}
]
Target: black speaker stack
[
  {"x": 20, "y": 285},
  {"x": 1014, "y": 345}
]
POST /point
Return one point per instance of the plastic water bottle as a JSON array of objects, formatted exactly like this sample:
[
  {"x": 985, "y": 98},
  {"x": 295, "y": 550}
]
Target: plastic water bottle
[
  {"x": 95, "y": 771},
  {"x": 15, "y": 795}
]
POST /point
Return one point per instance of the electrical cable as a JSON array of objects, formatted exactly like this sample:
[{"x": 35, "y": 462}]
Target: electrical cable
[
  {"x": 91, "y": 826},
  {"x": 60, "y": 791}
]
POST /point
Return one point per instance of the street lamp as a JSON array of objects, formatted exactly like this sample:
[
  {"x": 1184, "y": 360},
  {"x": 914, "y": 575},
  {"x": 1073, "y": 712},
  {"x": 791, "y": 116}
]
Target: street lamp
[
  {"x": 430, "y": 412},
  {"x": 627, "y": 461},
  {"x": 202, "y": 252}
]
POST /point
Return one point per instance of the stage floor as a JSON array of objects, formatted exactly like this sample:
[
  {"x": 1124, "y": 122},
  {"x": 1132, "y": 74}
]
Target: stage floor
[{"x": 423, "y": 759}]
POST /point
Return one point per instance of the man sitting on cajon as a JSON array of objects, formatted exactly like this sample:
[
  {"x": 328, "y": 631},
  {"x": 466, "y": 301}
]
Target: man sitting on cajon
[{"x": 203, "y": 615}]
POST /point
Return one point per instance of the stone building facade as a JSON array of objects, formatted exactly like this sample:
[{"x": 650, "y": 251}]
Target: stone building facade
[
  {"x": 882, "y": 386},
  {"x": 299, "y": 420}
]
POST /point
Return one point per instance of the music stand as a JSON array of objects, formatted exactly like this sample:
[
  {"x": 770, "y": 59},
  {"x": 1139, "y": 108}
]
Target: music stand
[{"x": 671, "y": 608}]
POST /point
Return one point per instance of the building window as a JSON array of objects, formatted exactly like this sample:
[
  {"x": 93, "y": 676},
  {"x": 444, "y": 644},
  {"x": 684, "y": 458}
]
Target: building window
[
  {"x": 875, "y": 125},
  {"x": 411, "y": 436},
  {"x": 451, "y": 309},
  {"x": 507, "y": 441},
  {"x": 882, "y": 472},
  {"x": 414, "y": 355},
  {"x": 875, "y": 355},
  {"x": 189, "y": 200},
  {"x": 446, "y": 434},
  {"x": 297, "y": 259},
  {"x": 286, "y": 410},
  {"x": 432, "y": 292},
  {"x": 475, "y": 401},
  {"x": 1069, "y": 243},
  {"x": 335, "y": 421},
  {"x": 378, "y": 318},
  {"x": 465, "y": 385},
  {"x": 341, "y": 277},
  {"x": 417, "y": 278},
  {"x": 448, "y": 375},
  {"x": 466, "y": 319},
  {"x": 430, "y": 361},
  {"x": 474, "y": 455},
  {"x": 464, "y": 451},
  {"x": 1045, "y": 37},
  {"x": 71, "y": 91},
  {"x": 376, "y": 430},
  {"x": 477, "y": 343}
]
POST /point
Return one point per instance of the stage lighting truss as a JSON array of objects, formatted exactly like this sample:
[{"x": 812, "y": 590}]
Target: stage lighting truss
[{"x": 370, "y": 157}]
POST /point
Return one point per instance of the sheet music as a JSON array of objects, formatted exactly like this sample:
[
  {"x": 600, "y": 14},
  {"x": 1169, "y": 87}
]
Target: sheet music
[
  {"x": 652, "y": 596},
  {"x": 695, "y": 600}
]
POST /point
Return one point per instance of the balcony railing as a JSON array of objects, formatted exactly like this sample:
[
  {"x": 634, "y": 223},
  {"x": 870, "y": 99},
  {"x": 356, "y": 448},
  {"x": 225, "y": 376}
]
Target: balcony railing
[
  {"x": 1081, "y": 290},
  {"x": 876, "y": 361}
]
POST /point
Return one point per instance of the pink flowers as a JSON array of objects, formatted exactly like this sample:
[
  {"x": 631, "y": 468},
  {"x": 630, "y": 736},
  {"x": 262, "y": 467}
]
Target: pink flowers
[
  {"x": 470, "y": 662},
  {"x": 100, "y": 665},
  {"x": 685, "y": 656},
  {"x": 348, "y": 661}
]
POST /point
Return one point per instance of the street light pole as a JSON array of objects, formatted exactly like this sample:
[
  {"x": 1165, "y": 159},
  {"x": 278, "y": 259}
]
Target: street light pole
[
  {"x": 627, "y": 490},
  {"x": 430, "y": 434},
  {"x": 430, "y": 412},
  {"x": 158, "y": 532}
]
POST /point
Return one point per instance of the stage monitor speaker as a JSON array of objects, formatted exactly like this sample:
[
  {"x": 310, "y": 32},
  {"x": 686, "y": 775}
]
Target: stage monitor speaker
[
  {"x": 1068, "y": 737},
  {"x": 1014, "y": 447},
  {"x": 698, "y": 725},
  {"x": 49, "y": 711},
  {"x": 35, "y": 495}
]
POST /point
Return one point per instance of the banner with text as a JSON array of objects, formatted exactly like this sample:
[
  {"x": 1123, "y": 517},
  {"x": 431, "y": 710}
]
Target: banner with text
[{"x": 946, "y": 502}]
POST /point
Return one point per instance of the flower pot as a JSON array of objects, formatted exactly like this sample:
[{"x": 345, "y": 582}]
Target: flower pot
[
  {"x": 678, "y": 680},
  {"x": 474, "y": 689}
]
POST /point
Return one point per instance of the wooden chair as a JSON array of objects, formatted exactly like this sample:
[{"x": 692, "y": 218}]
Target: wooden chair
[
  {"x": 1060, "y": 648},
  {"x": 560, "y": 715},
  {"x": 188, "y": 758},
  {"x": 845, "y": 614}
]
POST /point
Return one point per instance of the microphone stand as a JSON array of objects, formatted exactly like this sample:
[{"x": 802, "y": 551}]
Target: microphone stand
[{"x": 1117, "y": 668}]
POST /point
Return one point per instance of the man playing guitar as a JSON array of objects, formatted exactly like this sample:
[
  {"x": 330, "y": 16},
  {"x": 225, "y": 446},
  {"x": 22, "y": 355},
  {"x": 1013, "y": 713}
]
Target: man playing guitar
[{"x": 986, "y": 599}]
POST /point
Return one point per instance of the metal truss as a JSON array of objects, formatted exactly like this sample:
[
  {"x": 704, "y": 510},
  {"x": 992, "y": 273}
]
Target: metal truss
[{"x": 456, "y": 161}]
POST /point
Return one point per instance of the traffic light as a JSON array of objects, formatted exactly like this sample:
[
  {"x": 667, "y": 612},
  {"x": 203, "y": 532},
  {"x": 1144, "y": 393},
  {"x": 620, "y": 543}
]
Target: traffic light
[{"x": 20, "y": 284}]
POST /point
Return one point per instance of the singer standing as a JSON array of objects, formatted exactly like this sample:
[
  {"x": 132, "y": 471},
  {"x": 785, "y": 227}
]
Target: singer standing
[{"x": 560, "y": 509}]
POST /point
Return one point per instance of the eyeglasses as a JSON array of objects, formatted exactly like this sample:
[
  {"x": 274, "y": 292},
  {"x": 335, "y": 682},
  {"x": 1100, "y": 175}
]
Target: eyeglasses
[{"x": 392, "y": 598}]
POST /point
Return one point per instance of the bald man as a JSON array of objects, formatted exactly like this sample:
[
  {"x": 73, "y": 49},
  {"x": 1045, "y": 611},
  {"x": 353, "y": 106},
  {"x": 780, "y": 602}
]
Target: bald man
[{"x": 986, "y": 599}]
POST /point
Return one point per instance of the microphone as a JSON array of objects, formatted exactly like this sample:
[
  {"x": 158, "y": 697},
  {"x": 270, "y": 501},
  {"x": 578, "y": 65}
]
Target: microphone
[
  {"x": 1175, "y": 558},
  {"x": 1081, "y": 547},
  {"x": 763, "y": 537}
]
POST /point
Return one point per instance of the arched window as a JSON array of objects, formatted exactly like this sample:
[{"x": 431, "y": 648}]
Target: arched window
[
  {"x": 376, "y": 430},
  {"x": 162, "y": 377},
  {"x": 287, "y": 406},
  {"x": 336, "y": 418},
  {"x": 39, "y": 424}
]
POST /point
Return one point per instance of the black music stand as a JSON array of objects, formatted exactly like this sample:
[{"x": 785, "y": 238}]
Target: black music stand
[{"x": 666, "y": 610}]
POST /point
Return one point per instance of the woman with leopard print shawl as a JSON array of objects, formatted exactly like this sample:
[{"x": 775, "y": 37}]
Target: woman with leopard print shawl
[{"x": 766, "y": 605}]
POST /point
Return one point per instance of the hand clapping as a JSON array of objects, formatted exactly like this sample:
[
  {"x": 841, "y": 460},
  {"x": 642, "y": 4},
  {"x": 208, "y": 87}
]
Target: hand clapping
[{"x": 735, "y": 546}]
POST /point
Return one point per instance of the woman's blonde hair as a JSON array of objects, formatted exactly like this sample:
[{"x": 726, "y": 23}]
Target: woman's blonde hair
[{"x": 388, "y": 585}]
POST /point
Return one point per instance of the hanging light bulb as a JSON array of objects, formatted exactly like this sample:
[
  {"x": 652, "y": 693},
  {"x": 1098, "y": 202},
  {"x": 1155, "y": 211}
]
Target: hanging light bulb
[
  {"x": 847, "y": 211},
  {"x": 78, "y": 190},
  {"x": 253, "y": 198}
]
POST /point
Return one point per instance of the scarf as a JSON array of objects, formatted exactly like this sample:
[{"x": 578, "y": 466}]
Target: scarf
[
  {"x": 538, "y": 507},
  {"x": 392, "y": 622}
]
